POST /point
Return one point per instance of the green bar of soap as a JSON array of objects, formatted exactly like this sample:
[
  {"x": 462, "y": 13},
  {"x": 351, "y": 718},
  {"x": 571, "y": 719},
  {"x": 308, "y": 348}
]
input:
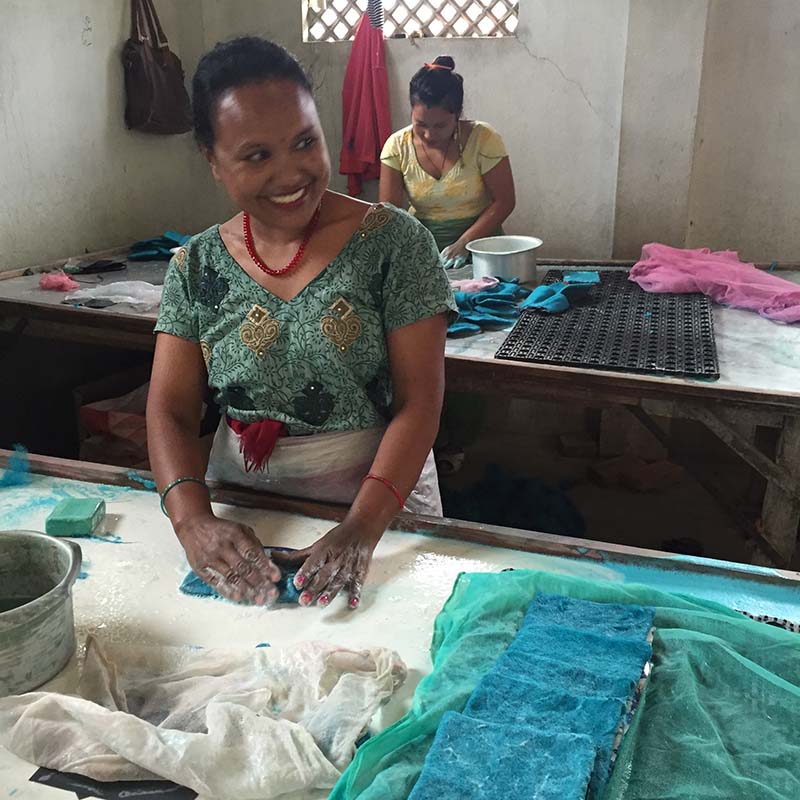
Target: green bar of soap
[{"x": 76, "y": 517}]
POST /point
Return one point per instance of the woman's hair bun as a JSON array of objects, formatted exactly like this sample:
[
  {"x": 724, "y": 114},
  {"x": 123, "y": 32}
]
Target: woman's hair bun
[{"x": 445, "y": 61}]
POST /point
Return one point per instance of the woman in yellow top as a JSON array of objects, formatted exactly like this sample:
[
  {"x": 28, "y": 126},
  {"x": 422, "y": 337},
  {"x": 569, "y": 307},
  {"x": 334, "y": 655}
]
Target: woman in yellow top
[{"x": 455, "y": 172}]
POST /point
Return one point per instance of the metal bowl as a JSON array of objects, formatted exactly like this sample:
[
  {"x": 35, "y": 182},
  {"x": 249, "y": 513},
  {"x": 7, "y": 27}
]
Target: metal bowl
[
  {"x": 505, "y": 257},
  {"x": 37, "y": 627}
]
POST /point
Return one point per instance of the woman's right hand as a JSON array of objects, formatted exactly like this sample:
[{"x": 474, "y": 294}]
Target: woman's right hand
[{"x": 229, "y": 557}]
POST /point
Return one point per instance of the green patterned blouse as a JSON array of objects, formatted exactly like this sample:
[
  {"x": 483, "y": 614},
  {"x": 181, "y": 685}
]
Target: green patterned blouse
[{"x": 319, "y": 362}]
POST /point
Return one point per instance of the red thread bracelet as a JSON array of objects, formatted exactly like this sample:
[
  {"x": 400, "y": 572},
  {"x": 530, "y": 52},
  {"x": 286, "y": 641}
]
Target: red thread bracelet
[{"x": 389, "y": 485}]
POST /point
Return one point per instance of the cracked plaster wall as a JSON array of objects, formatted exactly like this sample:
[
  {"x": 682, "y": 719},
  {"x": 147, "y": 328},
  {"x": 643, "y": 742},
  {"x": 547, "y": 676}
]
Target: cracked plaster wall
[
  {"x": 597, "y": 101},
  {"x": 745, "y": 180},
  {"x": 72, "y": 178},
  {"x": 554, "y": 92},
  {"x": 663, "y": 65}
]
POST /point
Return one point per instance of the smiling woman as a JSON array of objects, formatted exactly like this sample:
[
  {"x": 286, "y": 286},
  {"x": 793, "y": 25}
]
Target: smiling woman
[{"x": 318, "y": 324}]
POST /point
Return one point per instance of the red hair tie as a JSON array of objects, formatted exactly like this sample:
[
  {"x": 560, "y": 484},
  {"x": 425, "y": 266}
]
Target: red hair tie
[{"x": 439, "y": 66}]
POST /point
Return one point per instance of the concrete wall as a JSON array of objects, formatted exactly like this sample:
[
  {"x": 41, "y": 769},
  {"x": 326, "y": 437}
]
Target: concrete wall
[
  {"x": 745, "y": 187},
  {"x": 72, "y": 178},
  {"x": 663, "y": 65},
  {"x": 554, "y": 93},
  {"x": 627, "y": 121}
]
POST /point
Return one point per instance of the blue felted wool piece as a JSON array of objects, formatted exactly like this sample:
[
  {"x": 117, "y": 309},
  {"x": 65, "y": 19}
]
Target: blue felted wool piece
[
  {"x": 159, "y": 248},
  {"x": 607, "y": 619},
  {"x": 600, "y": 677},
  {"x": 18, "y": 471},
  {"x": 493, "y": 306},
  {"x": 572, "y": 667},
  {"x": 486, "y": 317},
  {"x": 462, "y": 326},
  {"x": 505, "y": 698},
  {"x": 618, "y": 661},
  {"x": 193, "y": 585},
  {"x": 547, "y": 297},
  {"x": 554, "y": 298},
  {"x": 476, "y": 760},
  {"x": 585, "y": 277}
]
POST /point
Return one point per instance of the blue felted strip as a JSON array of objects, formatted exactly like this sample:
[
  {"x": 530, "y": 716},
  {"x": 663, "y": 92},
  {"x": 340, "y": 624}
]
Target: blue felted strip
[
  {"x": 607, "y": 619},
  {"x": 462, "y": 326},
  {"x": 572, "y": 667},
  {"x": 585, "y": 277},
  {"x": 577, "y": 679},
  {"x": 554, "y": 298},
  {"x": 476, "y": 760},
  {"x": 197, "y": 587},
  {"x": 491, "y": 307},
  {"x": 504, "y": 698}
]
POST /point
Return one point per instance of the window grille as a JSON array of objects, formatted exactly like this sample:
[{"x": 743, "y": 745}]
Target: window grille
[{"x": 336, "y": 20}]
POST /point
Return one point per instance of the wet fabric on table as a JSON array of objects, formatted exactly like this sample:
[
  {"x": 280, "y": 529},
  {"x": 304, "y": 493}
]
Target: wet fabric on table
[
  {"x": 721, "y": 276},
  {"x": 476, "y": 760},
  {"x": 571, "y": 674},
  {"x": 251, "y": 724},
  {"x": 690, "y": 736},
  {"x": 494, "y": 306},
  {"x": 195, "y": 586}
]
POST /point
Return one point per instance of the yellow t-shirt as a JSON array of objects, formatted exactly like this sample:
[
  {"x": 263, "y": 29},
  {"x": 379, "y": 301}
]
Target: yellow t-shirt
[{"x": 460, "y": 193}]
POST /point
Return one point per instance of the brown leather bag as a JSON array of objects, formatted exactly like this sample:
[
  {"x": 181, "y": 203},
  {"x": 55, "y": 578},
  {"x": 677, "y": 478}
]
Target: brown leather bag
[{"x": 157, "y": 101}]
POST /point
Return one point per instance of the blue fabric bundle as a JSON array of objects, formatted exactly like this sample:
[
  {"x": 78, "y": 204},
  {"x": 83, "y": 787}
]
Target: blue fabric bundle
[
  {"x": 564, "y": 684},
  {"x": 473, "y": 759},
  {"x": 157, "y": 249},
  {"x": 585, "y": 277},
  {"x": 193, "y": 585},
  {"x": 516, "y": 501},
  {"x": 500, "y": 697},
  {"x": 494, "y": 306},
  {"x": 554, "y": 298}
]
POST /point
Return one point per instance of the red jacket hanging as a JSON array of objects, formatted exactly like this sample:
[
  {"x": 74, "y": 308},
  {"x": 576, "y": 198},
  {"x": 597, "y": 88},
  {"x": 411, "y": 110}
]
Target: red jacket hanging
[{"x": 366, "y": 122}]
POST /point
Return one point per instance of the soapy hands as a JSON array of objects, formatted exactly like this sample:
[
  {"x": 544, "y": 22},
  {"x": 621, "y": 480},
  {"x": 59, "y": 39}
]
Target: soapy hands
[
  {"x": 338, "y": 561},
  {"x": 455, "y": 255},
  {"x": 229, "y": 557}
]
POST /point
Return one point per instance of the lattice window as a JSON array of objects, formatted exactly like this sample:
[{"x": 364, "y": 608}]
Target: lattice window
[{"x": 336, "y": 20}]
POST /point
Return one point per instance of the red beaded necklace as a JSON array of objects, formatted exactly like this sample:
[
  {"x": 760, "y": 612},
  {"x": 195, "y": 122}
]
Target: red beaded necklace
[{"x": 251, "y": 249}]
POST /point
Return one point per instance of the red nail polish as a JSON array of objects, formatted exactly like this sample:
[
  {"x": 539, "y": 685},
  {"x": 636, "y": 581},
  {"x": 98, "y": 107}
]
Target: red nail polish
[
  {"x": 324, "y": 600},
  {"x": 299, "y": 581},
  {"x": 305, "y": 597},
  {"x": 354, "y": 602}
]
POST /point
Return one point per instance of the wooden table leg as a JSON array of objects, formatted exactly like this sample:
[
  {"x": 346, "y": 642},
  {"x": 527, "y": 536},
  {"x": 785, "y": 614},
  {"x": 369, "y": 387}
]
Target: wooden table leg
[{"x": 780, "y": 515}]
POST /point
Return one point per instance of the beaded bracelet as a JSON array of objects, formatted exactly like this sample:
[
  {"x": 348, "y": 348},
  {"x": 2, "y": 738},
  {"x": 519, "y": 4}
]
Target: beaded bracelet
[
  {"x": 389, "y": 485},
  {"x": 173, "y": 485}
]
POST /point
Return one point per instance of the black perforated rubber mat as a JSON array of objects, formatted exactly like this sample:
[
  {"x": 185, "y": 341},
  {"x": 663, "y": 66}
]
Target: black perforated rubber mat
[{"x": 619, "y": 326}]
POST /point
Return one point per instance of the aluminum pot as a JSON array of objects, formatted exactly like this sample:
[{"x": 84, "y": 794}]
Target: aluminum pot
[
  {"x": 37, "y": 628},
  {"x": 505, "y": 257}
]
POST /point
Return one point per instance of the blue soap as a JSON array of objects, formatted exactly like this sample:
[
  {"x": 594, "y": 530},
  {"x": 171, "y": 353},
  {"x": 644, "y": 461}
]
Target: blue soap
[
  {"x": 194, "y": 585},
  {"x": 476, "y": 760}
]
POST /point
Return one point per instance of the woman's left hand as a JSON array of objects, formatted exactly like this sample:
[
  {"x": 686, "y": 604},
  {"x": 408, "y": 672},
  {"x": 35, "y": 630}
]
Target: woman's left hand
[
  {"x": 339, "y": 560},
  {"x": 455, "y": 255}
]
